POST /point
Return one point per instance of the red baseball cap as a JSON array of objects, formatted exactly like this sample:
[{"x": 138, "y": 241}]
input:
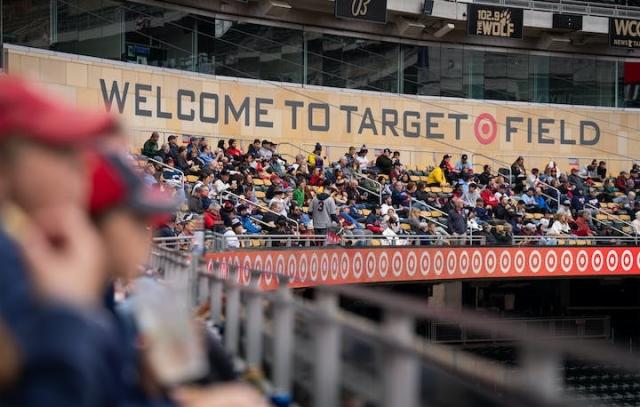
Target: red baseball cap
[
  {"x": 115, "y": 184},
  {"x": 29, "y": 113}
]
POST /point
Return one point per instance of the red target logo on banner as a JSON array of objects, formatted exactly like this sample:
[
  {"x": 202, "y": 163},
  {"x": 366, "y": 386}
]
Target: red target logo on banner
[{"x": 485, "y": 128}]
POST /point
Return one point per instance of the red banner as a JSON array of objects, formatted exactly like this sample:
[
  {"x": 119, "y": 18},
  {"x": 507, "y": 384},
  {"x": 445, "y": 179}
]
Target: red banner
[{"x": 307, "y": 268}]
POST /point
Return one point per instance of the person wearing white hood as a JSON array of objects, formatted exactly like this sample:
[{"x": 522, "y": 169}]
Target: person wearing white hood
[{"x": 636, "y": 223}]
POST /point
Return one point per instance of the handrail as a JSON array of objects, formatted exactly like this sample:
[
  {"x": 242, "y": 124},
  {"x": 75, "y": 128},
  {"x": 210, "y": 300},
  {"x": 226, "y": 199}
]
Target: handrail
[
  {"x": 572, "y": 240},
  {"x": 373, "y": 181},
  {"x": 431, "y": 208},
  {"x": 261, "y": 207},
  {"x": 494, "y": 161},
  {"x": 600, "y": 211},
  {"x": 166, "y": 166}
]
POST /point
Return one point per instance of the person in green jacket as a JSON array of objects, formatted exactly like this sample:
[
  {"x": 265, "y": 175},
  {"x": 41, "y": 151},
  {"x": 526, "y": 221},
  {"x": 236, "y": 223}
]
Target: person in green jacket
[
  {"x": 150, "y": 147},
  {"x": 298, "y": 193}
]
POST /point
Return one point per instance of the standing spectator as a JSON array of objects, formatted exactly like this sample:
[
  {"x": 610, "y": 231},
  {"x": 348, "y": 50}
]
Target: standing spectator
[
  {"x": 173, "y": 146},
  {"x": 636, "y": 223},
  {"x": 447, "y": 168},
  {"x": 150, "y": 147},
  {"x": 323, "y": 212},
  {"x": 362, "y": 159},
  {"x": 315, "y": 158},
  {"x": 457, "y": 223},
  {"x": 576, "y": 180}
]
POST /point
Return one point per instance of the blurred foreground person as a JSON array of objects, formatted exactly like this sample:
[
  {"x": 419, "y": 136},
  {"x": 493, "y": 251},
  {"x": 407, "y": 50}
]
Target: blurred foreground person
[
  {"x": 54, "y": 270},
  {"x": 51, "y": 278}
]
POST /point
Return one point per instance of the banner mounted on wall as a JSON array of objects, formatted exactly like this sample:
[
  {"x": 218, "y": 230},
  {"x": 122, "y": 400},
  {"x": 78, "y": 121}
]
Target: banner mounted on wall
[
  {"x": 374, "y": 11},
  {"x": 491, "y": 21},
  {"x": 624, "y": 33}
]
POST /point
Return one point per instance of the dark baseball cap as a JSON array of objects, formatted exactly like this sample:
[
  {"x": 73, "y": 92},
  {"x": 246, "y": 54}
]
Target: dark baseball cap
[
  {"x": 115, "y": 184},
  {"x": 27, "y": 112}
]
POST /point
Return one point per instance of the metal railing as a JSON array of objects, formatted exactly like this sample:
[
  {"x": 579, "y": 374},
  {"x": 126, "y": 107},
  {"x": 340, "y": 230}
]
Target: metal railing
[
  {"x": 561, "y": 327},
  {"x": 367, "y": 240},
  {"x": 571, "y": 240},
  {"x": 364, "y": 178},
  {"x": 330, "y": 353},
  {"x": 571, "y": 6},
  {"x": 163, "y": 165},
  {"x": 227, "y": 194}
]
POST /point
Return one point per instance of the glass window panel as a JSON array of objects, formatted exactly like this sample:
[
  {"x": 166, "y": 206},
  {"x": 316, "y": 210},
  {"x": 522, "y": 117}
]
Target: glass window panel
[
  {"x": 606, "y": 82},
  {"x": 422, "y": 70},
  {"x": 561, "y": 87},
  {"x": 451, "y": 70},
  {"x": 585, "y": 87},
  {"x": 159, "y": 37},
  {"x": 26, "y": 22},
  {"x": 539, "y": 78},
  {"x": 353, "y": 63},
  {"x": 89, "y": 27},
  {"x": 629, "y": 83},
  {"x": 474, "y": 74},
  {"x": 253, "y": 51}
]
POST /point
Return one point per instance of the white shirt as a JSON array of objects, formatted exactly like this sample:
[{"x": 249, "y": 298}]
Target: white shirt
[
  {"x": 231, "y": 239},
  {"x": 218, "y": 187},
  {"x": 363, "y": 161},
  {"x": 636, "y": 225},
  {"x": 559, "y": 228}
]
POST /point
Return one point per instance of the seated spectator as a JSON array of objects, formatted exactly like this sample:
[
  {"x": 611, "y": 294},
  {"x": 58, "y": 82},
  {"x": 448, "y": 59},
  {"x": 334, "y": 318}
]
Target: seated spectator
[
  {"x": 576, "y": 180},
  {"x": 221, "y": 184},
  {"x": 150, "y": 147},
  {"x": 436, "y": 178},
  {"x": 231, "y": 234},
  {"x": 483, "y": 214},
  {"x": 172, "y": 140},
  {"x": 560, "y": 226},
  {"x": 532, "y": 179},
  {"x": 212, "y": 218},
  {"x": 148, "y": 176},
  {"x": 471, "y": 196},
  {"x": 485, "y": 176},
  {"x": 602, "y": 170},
  {"x": 621, "y": 181},
  {"x": 374, "y": 221},
  {"x": 464, "y": 165},
  {"x": 583, "y": 228},
  {"x": 489, "y": 198},
  {"x": 233, "y": 150},
  {"x": 247, "y": 222},
  {"x": 362, "y": 160},
  {"x": 399, "y": 196},
  {"x": 254, "y": 148},
  {"x": 636, "y": 224},
  {"x": 170, "y": 173},
  {"x": 541, "y": 202},
  {"x": 265, "y": 152},
  {"x": 199, "y": 200},
  {"x": 384, "y": 164}
]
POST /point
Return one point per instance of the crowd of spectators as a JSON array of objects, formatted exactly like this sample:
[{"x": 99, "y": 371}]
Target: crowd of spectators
[{"x": 364, "y": 197}]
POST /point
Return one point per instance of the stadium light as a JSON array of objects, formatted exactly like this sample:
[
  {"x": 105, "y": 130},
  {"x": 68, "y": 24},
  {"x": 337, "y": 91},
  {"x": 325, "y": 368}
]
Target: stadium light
[
  {"x": 444, "y": 30},
  {"x": 274, "y": 8},
  {"x": 409, "y": 27}
]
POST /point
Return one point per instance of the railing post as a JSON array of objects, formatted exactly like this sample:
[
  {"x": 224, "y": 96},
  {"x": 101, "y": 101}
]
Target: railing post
[
  {"x": 215, "y": 295},
  {"x": 401, "y": 370},
  {"x": 232, "y": 314},
  {"x": 282, "y": 341},
  {"x": 253, "y": 323},
  {"x": 326, "y": 352}
]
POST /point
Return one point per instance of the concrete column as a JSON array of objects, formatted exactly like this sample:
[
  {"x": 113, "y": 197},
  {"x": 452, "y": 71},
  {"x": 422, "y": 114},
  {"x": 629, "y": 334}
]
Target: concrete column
[{"x": 447, "y": 294}]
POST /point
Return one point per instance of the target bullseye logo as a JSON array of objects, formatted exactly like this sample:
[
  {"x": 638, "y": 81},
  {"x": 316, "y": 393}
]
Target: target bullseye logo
[
  {"x": 535, "y": 261},
  {"x": 520, "y": 261},
  {"x": 451, "y": 262},
  {"x": 438, "y": 263},
  {"x": 582, "y": 261},
  {"x": 324, "y": 267},
  {"x": 505, "y": 261},
  {"x": 597, "y": 260},
  {"x": 304, "y": 265},
  {"x": 490, "y": 262},
  {"x": 412, "y": 263},
  {"x": 397, "y": 264},
  {"x": 566, "y": 261},
  {"x": 425, "y": 263},
  {"x": 334, "y": 266},
  {"x": 279, "y": 268},
  {"x": 370, "y": 265},
  {"x": 612, "y": 260},
  {"x": 292, "y": 267},
  {"x": 485, "y": 128},
  {"x": 626, "y": 260},
  {"x": 476, "y": 262},
  {"x": 383, "y": 264},
  {"x": 551, "y": 261},
  {"x": 464, "y": 262},
  {"x": 357, "y": 265},
  {"x": 344, "y": 266}
]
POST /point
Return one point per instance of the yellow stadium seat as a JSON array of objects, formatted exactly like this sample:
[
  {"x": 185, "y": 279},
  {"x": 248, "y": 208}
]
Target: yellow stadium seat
[
  {"x": 436, "y": 189},
  {"x": 447, "y": 190},
  {"x": 581, "y": 242},
  {"x": 571, "y": 242},
  {"x": 625, "y": 218},
  {"x": 528, "y": 215},
  {"x": 267, "y": 182},
  {"x": 366, "y": 212},
  {"x": 561, "y": 242},
  {"x": 258, "y": 182},
  {"x": 305, "y": 209},
  {"x": 414, "y": 178},
  {"x": 601, "y": 216},
  {"x": 538, "y": 216},
  {"x": 426, "y": 214},
  {"x": 424, "y": 178},
  {"x": 627, "y": 229},
  {"x": 256, "y": 242},
  {"x": 260, "y": 194},
  {"x": 191, "y": 179},
  {"x": 405, "y": 226},
  {"x": 375, "y": 242}
]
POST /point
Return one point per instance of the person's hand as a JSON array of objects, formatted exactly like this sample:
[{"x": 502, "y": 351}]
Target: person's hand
[
  {"x": 224, "y": 395},
  {"x": 64, "y": 256}
]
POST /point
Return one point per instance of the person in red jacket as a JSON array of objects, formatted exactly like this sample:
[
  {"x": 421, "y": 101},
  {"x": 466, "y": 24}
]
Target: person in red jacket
[
  {"x": 583, "y": 228},
  {"x": 212, "y": 217},
  {"x": 233, "y": 150},
  {"x": 489, "y": 198}
]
